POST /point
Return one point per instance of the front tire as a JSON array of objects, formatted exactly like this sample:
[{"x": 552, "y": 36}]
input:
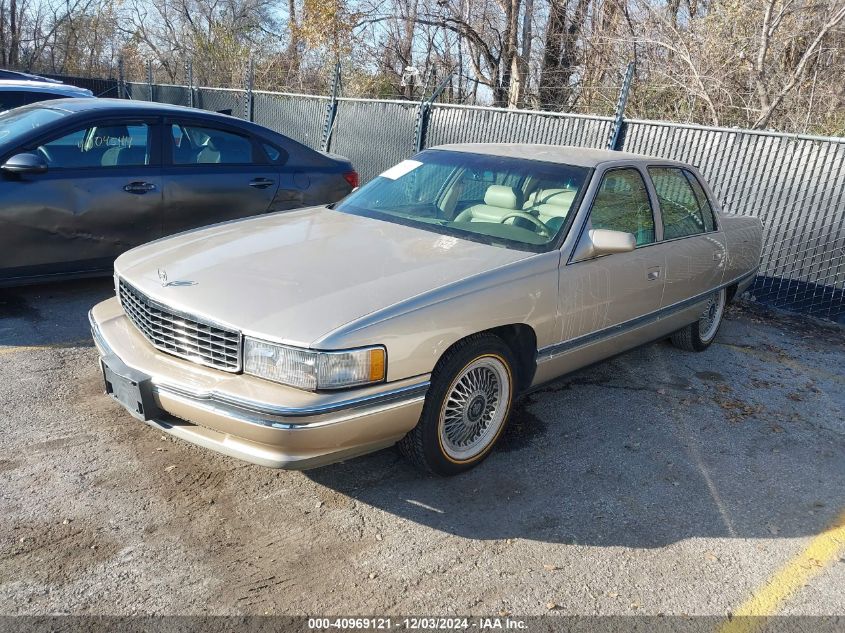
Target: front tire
[
  {"x": 698, "y": 336},
  {"x": 466, "y": 409}
]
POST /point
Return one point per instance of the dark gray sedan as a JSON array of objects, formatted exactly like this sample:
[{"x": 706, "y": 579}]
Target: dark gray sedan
[{"x": 82, "y": 180}]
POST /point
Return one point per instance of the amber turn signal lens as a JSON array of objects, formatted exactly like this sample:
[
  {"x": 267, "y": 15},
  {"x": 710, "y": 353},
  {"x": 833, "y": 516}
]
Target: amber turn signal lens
[{"x": 377, "y": 365}]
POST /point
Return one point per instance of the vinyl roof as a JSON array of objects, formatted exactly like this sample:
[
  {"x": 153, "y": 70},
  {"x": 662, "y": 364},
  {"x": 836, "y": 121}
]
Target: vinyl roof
[{"x": 564, "y": 154}]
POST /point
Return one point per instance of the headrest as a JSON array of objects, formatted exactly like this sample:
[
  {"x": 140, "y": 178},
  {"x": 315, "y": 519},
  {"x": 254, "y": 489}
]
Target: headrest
[
  {"x": 556, "y": 197},
  {"x": 108, "y": 136},
  {"x": 501, "y": 196},
  {"x": 215, "y": 142}
]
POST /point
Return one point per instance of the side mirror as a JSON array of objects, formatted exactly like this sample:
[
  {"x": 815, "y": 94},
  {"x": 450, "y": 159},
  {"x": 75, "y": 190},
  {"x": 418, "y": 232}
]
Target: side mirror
[
  {"x": 598, "y": 242},
  {"x": 25, "y": 164}
]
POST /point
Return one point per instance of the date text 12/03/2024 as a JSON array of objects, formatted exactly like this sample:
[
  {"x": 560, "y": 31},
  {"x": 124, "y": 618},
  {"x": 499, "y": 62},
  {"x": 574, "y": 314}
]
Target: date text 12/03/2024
[{"x": 417, "y": 624}]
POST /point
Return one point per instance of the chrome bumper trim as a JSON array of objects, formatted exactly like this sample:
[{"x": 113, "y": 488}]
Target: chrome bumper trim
[
  {"x": 254, "y": 412},
  {"x": 247, "y": 416},
  {"x": 400, "y": 395}
]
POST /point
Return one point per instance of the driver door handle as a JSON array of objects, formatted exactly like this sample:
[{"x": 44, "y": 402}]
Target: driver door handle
[
  {"x": 653, "y": 273},
  {"x": 261, "y": 183},
  {"x": 139, "y": 187}
]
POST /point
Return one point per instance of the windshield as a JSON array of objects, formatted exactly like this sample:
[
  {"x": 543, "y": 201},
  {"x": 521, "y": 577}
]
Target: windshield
[
  {"x": 511, "y": 202},
  {"x": 16, "y": 123}
]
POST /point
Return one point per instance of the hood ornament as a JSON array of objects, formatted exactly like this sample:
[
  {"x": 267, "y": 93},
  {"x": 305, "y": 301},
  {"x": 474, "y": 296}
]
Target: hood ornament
[{"x": 162, "y": 277}]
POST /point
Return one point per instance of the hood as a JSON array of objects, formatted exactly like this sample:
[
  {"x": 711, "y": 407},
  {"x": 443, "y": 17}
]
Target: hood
[{"x": 293, "y": 277}]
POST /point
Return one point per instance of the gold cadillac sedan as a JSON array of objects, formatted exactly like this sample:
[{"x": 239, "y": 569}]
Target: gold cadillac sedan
[{"x": 419, "y": 307}]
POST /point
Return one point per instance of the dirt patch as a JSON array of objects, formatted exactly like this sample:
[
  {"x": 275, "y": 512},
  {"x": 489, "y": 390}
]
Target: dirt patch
[{"x": 56, "y": 552}]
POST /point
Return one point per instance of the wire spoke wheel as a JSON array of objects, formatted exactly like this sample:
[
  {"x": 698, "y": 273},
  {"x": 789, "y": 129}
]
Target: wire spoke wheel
[
  {"x": 474, "y": 409},
  {"x": 466, "y": 408},
  {"x": 711, "y": 318}
]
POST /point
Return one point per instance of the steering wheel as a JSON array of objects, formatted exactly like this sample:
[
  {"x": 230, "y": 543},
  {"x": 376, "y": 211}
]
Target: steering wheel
[
  {"x": 43, "y": 151},
  {"x": 542, "y": 229}
]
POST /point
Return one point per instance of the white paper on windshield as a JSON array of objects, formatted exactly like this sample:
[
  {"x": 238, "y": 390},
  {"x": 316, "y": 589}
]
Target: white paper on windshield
[{"x": 397, "y": 171}]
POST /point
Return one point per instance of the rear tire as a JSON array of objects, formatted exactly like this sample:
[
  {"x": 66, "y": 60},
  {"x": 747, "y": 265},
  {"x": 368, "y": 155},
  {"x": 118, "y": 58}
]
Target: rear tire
[
  {"x": 698, "y": 336},
  {"x": 466, "y": 409}
]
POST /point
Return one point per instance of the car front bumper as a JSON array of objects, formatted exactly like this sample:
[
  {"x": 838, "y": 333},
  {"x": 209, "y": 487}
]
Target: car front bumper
[{"x": 250, "y": 418}]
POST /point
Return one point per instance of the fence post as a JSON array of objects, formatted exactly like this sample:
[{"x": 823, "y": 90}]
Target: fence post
[
  {"x": 189, "y": 74},
  {"x": 150, "y": 79},
  {"x": 424, "y": 112},
  {"x": 617, "y": 136},
  {"x": 250, "y": 78},
  {"x": 121, "y": 81},
  {"x": 331, "y": 111}
]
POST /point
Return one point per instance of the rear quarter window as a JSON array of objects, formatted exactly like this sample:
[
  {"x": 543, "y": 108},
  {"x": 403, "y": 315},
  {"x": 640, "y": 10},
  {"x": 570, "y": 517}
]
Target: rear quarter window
[{"x": 703, "y": 201}]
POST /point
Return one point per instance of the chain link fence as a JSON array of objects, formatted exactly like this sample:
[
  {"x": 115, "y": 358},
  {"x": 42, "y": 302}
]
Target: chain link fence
[
  {"x": 374, "y": 135},
  {"x": 100, "y": 87},
  {"x": 795, "y": 184},
  {"x": 471, "y": 124},
  {"x": 300, "y": 117}
]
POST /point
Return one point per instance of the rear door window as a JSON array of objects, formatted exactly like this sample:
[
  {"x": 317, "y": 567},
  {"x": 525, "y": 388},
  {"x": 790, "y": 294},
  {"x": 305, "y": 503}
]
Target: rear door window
[
  {"x": 679, "y": 207},
  {"x": 200, "y": 145}
]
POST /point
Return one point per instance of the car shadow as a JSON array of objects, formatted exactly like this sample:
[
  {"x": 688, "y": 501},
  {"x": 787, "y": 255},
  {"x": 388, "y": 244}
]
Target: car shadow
[
  {"x": 54, "y": 314},
  {"x": 644, "y": 450}
]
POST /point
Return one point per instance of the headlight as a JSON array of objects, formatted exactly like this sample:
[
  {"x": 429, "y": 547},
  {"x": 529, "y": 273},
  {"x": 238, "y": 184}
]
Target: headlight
[{"x": 309, "y": 369}]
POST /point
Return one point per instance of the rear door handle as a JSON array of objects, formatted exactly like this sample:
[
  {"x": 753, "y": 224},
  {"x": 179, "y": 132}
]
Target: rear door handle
[
  {"x": 261, "y": 183},
  {"x": 139, "y": 187}
]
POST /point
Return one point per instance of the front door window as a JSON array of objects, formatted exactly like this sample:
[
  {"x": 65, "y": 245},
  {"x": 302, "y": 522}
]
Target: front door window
[
  {"x": 106, "y": 145},
  {"x": 622, "y": 204}
]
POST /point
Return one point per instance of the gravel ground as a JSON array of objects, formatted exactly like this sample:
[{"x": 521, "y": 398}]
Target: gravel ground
[{"x": 660, "y": 482}]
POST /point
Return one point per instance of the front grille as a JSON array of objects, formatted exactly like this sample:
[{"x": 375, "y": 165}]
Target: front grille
[{"x": 180, "y": 334}]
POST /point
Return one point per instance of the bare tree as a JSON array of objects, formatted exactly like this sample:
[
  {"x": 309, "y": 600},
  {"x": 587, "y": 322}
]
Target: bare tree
[
  {"x": 561, "y": 52},
  {"x": 773, "y": 87}
]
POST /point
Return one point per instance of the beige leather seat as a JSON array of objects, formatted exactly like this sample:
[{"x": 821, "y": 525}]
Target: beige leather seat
[
  {"x": 550, "y": 204},
  {"x": 499, "y": 202}
]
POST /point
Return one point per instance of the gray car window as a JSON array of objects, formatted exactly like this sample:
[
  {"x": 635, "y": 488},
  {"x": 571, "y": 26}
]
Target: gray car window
[
  {"x": 622, "y": 204},
  {"x": 106, "y": 145},
  {"x": 198, "y": 145},
  {"x": 272, "y": 153}
]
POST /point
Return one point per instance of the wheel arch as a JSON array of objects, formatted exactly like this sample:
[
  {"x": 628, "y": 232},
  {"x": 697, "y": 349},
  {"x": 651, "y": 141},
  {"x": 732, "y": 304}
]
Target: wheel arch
[{"x": 522, "y": 341}]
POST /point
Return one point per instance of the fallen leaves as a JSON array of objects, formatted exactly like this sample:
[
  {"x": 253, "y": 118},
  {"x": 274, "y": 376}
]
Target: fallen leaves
[{"x": 737, "y": 410}]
